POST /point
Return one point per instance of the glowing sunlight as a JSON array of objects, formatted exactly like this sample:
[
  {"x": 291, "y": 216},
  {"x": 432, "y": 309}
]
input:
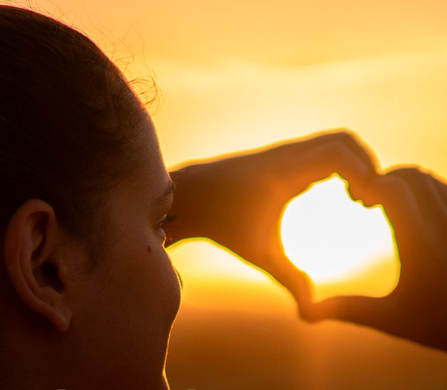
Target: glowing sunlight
[
  {"x": 235, "y": 76},
  {"x": 338, "y": 241}
]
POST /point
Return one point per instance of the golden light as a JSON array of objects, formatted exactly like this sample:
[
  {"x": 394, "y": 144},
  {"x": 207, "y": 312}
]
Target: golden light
[{"x": 339, "y": 242}]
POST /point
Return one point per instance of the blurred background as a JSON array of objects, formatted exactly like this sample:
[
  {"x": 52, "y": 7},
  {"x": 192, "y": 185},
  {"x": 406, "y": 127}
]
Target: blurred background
[{"x": 236, "y": 75}]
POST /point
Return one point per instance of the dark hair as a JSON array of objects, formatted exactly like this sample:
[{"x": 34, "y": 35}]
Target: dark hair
[{"x": 67, "y": 120}]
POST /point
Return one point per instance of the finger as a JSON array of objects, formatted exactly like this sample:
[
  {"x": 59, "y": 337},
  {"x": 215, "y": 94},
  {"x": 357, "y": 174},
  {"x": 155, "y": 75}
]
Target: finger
[
  {"x": 357, "y": 146},
  {"x": 442, "y": 187},
  {"x": 296, "y": 281},
  {"x": 398, "y": 200},
  {"x": 421, "y": 184},
  {"x": 384, "y": 314},
  {"x": 340, "y": 136},
  {"x": 430, "y": 204},
  {"x": 367, "y": 311},
  {"x": 352, "y": 141},
  {"x": 300, "y": 171},
  {"x": 428, "y": 192},
  {"x": 415, "y": 236}
]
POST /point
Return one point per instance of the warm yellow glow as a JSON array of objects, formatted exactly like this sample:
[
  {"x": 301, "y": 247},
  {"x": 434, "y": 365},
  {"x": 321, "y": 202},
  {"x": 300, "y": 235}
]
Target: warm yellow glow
[
  {"x": 336, "y": 240},
  {"x": 215, "y": 277},
  {"x": 237, "y": 75}
]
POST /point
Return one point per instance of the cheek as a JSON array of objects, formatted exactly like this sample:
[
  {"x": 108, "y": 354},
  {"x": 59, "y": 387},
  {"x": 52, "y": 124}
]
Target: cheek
[
  {"x": 173, "y": 292},
  {"x": 162, "y": 285},
  {"x": 136, "y": 299},
  {"x": 141, "y": 285},
  {"x": 152, "y": 279}
]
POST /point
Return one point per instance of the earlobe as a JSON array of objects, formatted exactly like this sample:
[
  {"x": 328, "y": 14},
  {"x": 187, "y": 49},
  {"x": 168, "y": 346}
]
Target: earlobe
[{"x": 33, "y": 262}]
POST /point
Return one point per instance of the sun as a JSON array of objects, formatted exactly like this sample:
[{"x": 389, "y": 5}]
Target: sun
[{"x": 334, "y": 239}]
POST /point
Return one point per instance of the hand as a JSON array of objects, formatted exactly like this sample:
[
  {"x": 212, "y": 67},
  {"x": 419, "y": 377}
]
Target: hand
[
  {"x": 416, "y": 204},
  {"x": 238, "y": 201}
]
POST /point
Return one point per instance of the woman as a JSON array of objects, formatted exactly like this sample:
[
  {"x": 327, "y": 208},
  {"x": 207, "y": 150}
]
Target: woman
[{"x": 87, "y": 290}]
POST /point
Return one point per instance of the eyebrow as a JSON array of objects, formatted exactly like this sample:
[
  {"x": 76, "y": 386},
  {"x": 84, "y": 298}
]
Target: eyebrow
[{"x": 166, "y": 195}]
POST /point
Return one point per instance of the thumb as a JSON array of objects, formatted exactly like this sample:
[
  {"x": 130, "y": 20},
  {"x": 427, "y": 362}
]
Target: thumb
[
  {"x": 367, "y": 311},
  {"x": 296, "y": 281}
]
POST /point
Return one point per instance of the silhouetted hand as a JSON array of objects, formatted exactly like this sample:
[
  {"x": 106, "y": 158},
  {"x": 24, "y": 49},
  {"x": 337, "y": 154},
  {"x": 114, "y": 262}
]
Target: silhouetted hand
[
  {"x": 416, "y": 204},
  {"x": 238, "y": 201}
]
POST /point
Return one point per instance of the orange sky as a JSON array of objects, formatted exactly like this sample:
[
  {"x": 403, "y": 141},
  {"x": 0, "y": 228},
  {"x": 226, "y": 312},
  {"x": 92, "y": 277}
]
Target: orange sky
[
  {"x": 240, "y": 74},
  {"x": 236, "y": 75}
]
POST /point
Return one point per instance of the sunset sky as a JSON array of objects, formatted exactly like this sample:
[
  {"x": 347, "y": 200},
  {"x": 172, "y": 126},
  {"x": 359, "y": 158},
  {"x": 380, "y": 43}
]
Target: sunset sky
[
  {"x": 235, "y": 75},
  {"x": 239, "y": 74}
]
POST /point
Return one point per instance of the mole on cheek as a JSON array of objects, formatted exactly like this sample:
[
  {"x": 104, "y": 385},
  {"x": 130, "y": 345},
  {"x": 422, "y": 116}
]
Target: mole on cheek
[{"x": 149, "y": 248}]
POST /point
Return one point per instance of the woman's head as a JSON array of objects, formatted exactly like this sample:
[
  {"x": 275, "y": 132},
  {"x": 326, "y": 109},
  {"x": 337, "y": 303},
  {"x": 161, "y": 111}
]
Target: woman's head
[
  {"x": 67, "y": 119},
  {"x": 82, "y": 178}
]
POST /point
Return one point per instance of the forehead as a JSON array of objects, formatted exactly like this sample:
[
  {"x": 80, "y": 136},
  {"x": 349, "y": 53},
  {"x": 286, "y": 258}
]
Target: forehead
[{"x": 152, "y": 174}]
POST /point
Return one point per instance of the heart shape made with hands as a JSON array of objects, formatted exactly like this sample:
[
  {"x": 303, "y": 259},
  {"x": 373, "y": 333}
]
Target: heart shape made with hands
[{"x": 345, "y": 248}]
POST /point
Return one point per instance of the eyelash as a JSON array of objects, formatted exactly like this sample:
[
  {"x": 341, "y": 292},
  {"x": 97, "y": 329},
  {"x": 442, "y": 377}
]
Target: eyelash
[{"x": 164, "y": 223}]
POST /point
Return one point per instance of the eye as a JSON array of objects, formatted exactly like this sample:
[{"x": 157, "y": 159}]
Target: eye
[{"x": 163, "y": 224}]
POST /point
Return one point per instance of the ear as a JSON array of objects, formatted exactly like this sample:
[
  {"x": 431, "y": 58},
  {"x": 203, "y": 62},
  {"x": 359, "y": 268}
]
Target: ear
[{"x": 34, "y": 263}]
